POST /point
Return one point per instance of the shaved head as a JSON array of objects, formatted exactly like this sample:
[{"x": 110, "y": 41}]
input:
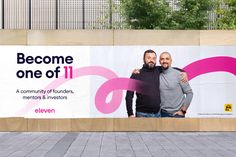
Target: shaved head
[{"x": 165, "y": 60}]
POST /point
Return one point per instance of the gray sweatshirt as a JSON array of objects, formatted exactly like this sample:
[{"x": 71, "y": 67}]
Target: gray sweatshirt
[{"x": 174, "y": 93}]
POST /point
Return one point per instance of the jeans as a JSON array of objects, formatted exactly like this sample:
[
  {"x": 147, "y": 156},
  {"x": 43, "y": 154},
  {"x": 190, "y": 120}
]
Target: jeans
[
  {"x": 148, "y": 115},
  {"x": 166, "y": 114}
]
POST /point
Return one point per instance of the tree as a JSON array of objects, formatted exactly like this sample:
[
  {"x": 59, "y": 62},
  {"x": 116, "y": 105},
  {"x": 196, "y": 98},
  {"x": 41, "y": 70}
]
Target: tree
[
  {"x": 145, "y": 14},
  {"x": 112, "y": 8},
  {"x": 192, "y": 14},
  {"x": 226, "y": 14},
  {"x": 156, "y": 14}
]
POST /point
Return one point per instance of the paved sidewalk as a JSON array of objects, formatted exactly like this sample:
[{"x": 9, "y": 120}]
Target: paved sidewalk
[{"x": 118, "y": 144}]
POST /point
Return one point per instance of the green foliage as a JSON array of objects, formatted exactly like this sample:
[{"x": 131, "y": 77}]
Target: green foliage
[
  {"x": 145, "y": 14},
  {"x": 156, "y": 14},
  {"x": 226, "y": 12},
  {"x": 193, "y": 14}
]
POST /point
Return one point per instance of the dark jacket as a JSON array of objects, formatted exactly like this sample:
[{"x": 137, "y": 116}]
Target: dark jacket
[{"x": 145, "y": 102}]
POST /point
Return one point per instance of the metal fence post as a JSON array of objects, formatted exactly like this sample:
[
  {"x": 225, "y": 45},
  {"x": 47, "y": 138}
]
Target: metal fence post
[
  {"x": 110, "y": 14},
  {"x": 83, "y": 18},
  {"x": 29, "y": 14},
  {"x": 57, "y": 5},
  {"x": 3, "y": 14}
]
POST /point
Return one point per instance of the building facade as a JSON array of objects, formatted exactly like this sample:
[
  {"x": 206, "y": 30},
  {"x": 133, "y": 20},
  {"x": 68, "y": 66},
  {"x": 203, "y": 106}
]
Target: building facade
[{"x": 59, "y": 14}]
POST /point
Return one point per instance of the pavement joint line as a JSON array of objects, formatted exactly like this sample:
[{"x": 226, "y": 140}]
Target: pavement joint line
[{"x": 61, "y": 147}]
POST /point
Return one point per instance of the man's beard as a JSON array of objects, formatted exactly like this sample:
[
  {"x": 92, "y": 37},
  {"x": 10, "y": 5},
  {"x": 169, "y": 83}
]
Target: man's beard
[{"x": 150, "y": 65}]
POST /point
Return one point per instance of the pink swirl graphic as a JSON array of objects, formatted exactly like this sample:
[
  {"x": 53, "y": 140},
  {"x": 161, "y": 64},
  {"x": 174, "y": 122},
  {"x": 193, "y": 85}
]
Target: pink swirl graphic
[
  {"x": 208, "y": 65},
  {"x": 116, "y": 85}
]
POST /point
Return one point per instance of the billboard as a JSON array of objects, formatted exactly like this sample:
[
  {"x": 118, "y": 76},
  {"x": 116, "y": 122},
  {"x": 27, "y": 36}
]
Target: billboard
[{"x": 91, "y": 81}]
